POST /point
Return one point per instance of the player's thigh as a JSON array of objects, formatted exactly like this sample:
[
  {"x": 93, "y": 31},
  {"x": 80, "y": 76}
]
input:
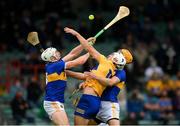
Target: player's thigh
[
  {"x": 114, "y": 122},
  {"x": 60, "y": 118},
  {"x": 78, "y": 120}
]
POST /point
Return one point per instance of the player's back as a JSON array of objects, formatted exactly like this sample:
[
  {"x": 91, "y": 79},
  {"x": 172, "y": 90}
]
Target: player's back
[
  {"x": 55, "y": 81},
  {"x": 111, "y": 93},
  {"x": 105, "y": 68}
]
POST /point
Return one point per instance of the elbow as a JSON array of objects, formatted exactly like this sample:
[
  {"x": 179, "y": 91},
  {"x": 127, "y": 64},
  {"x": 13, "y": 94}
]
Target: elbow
[{"x": 67, "y": 73}]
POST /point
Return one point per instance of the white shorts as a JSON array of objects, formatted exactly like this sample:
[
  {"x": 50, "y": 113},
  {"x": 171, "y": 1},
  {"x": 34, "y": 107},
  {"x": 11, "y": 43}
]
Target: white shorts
[
  {"x": 108, "y": 110},
  {"x": 53, "y": 106}
]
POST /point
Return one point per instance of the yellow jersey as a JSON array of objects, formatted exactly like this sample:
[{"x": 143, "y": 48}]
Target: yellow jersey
[
  {"x": 105, "y": 68},
  {"x": 155, "y": 85}
]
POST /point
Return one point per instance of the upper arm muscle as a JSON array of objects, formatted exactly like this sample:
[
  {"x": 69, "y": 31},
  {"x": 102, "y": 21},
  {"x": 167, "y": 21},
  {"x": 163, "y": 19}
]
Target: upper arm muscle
[{"x": 67, "y": 57}]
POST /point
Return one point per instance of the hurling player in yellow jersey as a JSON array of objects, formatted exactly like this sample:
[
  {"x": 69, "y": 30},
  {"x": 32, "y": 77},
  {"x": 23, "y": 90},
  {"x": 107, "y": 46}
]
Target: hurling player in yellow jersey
[
  {"x": 56, "y": 81},
  {"x": 89, "y": 103},
  {"x": 109, "y": 109}
]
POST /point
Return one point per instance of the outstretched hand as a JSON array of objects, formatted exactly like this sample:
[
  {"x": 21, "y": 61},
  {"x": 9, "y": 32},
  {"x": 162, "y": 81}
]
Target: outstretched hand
[{"x": 71, "y": 31}]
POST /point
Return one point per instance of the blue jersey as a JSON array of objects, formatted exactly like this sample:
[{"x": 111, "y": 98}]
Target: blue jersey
[
  {"x": 111, "y": 93},
  {"x": 55, "y": 81}
]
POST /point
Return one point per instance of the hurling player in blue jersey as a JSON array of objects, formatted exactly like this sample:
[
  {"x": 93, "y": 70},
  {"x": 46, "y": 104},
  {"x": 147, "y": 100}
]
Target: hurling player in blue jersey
[
  {"x": 109, "y": 109},
  {"x": 56, "y": 80}
]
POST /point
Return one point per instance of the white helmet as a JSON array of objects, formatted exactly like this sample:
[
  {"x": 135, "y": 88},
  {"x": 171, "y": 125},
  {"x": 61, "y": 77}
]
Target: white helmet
[
  {"x": 119, "y": 60},
  {"x": 48, "y": 53}
]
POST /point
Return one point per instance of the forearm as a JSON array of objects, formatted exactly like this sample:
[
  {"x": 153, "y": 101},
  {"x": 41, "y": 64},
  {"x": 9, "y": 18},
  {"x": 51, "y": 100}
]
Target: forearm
[
  {"x": 83, "y": 41},
  {"x": 106, "y": 81},
  {"x": 82, "y": 59},
  {"x": 78, "y": 61},
  {"x": 76, "y": 51},
  {"x": 103, "y": 81},
  {"x": 76, "y": 75},
  {"x": 92, "y": 51}
]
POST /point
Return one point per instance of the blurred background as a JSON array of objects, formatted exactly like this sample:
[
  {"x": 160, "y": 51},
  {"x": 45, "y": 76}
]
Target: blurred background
[{"x": 151, "y": 32}]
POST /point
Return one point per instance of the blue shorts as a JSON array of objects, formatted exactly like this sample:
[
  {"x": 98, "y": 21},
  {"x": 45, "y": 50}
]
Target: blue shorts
[{"x": 88, "y": 106}]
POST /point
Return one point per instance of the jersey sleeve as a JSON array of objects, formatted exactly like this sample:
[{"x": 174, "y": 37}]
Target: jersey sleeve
[
  {"x": 121, "y": 74},
  {"x": 102, "y": 59}
]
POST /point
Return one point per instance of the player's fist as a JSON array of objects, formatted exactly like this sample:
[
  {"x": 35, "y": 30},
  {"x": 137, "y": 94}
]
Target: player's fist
[
  {"x": 91, "y": 40},
  {"x": 71, "y": 31},
  {"x": 81, "y": 85}
]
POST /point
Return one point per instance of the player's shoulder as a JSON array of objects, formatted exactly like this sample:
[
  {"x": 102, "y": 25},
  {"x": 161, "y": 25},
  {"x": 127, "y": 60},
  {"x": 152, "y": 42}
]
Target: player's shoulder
[
  {"x": 121, "y": 71},
  {"x": 59, "y": 62},
  {"x": 55, "y": 66},
  {"x": 103, "y": 57},
  {"x": 121, "y": 74}
]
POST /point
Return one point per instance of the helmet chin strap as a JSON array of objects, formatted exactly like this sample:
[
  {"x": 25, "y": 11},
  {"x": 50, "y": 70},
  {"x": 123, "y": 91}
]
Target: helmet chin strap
[{"x": 119, "y": 67}]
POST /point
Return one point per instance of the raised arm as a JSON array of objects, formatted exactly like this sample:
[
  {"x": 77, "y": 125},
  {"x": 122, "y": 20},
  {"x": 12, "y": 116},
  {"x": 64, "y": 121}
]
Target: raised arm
[
  {"x": 78, "y": 61},
  {"x": 76, "y": 51},
  {"x": 71, "y": 55},
  {"x": 104, "y": 81},
  {"x": 77, "y": 75},
  {"x": 92, "y": 51}
]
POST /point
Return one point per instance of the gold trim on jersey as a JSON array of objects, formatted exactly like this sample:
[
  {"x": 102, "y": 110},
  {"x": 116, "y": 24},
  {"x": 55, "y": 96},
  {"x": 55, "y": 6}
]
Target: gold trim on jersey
[
  {"x": 113, "y": 107},
  {"x": 80, "y": 111},
  {"x": 56, "y": 76},
  {"x": 120, "y": 85}
]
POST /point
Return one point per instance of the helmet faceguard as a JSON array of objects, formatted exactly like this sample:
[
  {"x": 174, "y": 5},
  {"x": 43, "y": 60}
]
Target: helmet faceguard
[{"x": 119, "y": 60}]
